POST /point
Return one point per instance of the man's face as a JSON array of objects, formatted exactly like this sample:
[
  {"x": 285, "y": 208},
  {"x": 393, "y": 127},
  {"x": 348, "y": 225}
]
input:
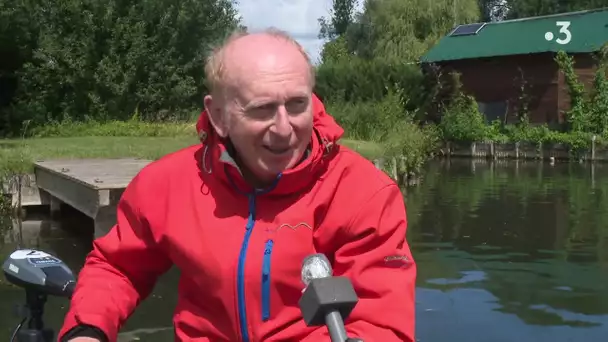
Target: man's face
[{"x": 268, "y": 115}]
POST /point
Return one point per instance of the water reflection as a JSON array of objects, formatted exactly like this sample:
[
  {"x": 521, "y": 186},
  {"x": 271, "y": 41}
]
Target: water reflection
[
  {"x": 70, "y": 239},
  {"x": 507, "y": 251},
  {"x": 41, "y": 233},
  {"x": 511, "y": 252}
]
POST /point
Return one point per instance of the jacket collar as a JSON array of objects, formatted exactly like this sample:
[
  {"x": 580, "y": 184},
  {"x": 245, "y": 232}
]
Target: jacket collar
[{"x": 218, "y": 156}]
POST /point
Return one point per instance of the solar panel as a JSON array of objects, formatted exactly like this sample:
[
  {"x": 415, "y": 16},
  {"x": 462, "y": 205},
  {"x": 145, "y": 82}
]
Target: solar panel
[{"x": 467, "y": 30}]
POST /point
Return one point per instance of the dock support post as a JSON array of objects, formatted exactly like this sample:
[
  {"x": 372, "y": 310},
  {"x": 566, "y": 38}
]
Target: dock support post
[
  {"x": 53, "y": 202},
  {"x": 104, "y": 220},
  {"x": 55, "y": 206}
]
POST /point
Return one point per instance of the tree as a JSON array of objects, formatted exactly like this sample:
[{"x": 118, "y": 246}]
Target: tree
[
  {"x": 531, "y": 8},
  {"x": 341, "y": 16},
  {"x": 494, "y": 10},
  {"x": 108, "y": 59},
  {"x": 379, "y": 51},
  {"x": 405, "y": 29}
]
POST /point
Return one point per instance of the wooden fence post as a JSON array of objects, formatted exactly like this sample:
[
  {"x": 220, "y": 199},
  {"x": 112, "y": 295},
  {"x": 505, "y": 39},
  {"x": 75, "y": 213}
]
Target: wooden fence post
[{"x": 593, "y": 147}]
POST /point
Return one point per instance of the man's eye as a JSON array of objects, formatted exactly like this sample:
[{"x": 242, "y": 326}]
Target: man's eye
[
  {"x": 266, "y": 107},
  {"x": 263, "y": 111},
  {"x": 296, "y": 106}
]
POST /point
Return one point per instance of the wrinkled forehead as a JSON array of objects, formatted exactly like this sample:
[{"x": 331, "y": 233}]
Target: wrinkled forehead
[
  {"x": 279, "y": 72},
  {"x": 279, "y": 88}
]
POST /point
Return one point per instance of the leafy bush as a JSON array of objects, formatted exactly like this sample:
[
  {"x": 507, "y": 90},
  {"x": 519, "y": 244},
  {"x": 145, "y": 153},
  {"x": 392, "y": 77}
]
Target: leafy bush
[
  {"x": 413, "y": 144},
  {"x": 387, "y": 123},
  {"x": 462, "y": 122},
  {"x": 352, "y": 79},
  {"x": 368, "y": 120}
]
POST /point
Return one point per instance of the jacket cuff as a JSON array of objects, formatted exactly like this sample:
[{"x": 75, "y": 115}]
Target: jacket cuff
[
  {"x": 84, "y": 330},
  {"x": 73, "y": 323}
]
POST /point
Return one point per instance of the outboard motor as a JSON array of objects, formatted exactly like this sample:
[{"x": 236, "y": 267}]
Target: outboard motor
[{"x": 40, "y": 275}]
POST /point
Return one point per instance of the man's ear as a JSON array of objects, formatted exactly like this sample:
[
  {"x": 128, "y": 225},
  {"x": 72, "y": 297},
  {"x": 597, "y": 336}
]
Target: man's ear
[{"x": 217, "y": 118}]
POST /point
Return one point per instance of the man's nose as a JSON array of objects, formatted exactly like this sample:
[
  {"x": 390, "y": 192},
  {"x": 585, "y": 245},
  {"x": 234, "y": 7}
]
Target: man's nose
[{"x": 281, "y": 126}]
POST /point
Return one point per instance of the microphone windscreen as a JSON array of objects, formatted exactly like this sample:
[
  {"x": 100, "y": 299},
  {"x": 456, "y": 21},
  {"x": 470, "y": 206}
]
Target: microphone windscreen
[{"x": 315, "y": 266}]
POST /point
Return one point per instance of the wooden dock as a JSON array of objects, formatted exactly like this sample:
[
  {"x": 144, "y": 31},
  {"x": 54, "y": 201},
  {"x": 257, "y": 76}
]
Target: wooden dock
[{"x": 91, "y": 186}]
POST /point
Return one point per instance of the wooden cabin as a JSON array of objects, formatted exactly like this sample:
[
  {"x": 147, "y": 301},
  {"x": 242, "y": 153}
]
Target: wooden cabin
[{"x": 497, "y": 60}]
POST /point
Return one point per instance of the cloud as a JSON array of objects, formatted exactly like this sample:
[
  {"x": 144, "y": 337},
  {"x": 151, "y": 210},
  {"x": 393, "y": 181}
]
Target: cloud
[{"x": 298, "y": 17}]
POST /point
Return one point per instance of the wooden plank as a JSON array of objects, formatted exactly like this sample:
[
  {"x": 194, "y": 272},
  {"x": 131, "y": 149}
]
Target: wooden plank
[
  {"x": 91, "y": 186},
  {"x": 98, "y": 174},
  {"x": 78, "y": 195}
]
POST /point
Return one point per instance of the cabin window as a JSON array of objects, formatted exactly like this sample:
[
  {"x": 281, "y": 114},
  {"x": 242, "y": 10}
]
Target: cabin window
[{"x": 493, "y": 110}]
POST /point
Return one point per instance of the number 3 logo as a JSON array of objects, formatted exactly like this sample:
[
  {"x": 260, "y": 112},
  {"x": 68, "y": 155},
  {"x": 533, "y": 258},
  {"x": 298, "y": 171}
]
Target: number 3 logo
[{"x": 563, "y": 29}]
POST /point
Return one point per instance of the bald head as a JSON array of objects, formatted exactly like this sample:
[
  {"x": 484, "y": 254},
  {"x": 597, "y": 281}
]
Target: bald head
[{"x": 243, "y": 55}]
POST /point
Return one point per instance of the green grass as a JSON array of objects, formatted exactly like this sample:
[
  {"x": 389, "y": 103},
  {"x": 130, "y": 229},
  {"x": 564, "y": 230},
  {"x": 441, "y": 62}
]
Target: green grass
[
  {"x": 17, "y": 156},
  {"x": 115, "y": 139}
]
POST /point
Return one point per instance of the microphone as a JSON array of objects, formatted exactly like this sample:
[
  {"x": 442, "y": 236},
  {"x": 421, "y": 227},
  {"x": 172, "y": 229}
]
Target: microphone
[
  {"x": 326, "y": 299},
  {"x": 315, "y": 266}
]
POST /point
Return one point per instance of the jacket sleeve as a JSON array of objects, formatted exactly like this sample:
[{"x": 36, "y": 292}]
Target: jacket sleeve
[
  {"x": 122, "y": 268},
  {"x": 377, "y": 259}
]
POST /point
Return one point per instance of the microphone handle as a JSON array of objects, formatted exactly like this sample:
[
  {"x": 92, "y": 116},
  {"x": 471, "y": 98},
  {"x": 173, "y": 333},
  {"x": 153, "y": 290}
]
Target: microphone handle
[{"x": 335, "y": 326}]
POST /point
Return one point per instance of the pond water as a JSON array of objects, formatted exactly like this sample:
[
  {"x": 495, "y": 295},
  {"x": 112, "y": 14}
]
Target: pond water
[{"x": 506, "y": 251}]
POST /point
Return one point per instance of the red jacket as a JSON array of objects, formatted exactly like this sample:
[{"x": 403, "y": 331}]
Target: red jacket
[{"x": 240, "y": 250}]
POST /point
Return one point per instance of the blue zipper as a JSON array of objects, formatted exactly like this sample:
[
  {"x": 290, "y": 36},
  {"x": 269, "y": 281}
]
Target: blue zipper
[
  {"x": 266, "y": 280},
  {"x": 240, "y": 279},
  {"x": 240, "y": 276}
]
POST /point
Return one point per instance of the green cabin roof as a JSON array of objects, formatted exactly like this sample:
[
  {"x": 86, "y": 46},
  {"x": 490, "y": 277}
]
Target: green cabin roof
[{"x": 588, "y": 32}]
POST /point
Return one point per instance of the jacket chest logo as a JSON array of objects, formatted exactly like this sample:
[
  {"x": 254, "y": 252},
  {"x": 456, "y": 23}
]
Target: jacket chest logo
[{"x": 295, "y": 227}]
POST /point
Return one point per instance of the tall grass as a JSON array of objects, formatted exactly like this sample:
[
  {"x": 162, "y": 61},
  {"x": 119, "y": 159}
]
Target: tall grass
[{"x": 115, "y": 128}]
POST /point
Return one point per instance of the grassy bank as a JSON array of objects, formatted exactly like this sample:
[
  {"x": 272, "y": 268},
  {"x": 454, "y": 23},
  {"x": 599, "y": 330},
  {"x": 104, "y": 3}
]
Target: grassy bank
[{"x": 113, "y": 140}]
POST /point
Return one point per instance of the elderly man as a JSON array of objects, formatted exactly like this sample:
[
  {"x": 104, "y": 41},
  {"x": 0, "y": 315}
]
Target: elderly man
[{"x": 237, "y": 213}]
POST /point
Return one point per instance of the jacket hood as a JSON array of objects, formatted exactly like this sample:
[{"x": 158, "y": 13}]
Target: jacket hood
[{"x": 217, "y": 154}]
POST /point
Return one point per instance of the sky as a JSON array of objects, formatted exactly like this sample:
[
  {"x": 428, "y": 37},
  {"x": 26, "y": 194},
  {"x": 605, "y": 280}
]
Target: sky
[{"x": 298, "y": 17}]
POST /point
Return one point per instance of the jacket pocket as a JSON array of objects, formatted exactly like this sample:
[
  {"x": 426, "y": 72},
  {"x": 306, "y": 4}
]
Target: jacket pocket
[{"x": 266, "y": 280}]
